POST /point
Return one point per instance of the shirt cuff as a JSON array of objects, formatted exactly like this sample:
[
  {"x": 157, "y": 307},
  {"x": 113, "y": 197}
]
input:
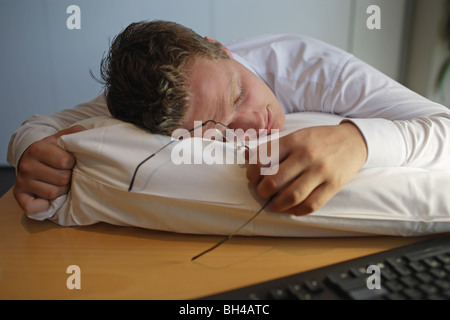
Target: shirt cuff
[{"x": 385, "y": 145}]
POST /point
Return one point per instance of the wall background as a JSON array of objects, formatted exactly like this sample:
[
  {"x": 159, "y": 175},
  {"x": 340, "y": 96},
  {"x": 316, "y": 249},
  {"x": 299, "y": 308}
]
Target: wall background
[{"x": 44, "y": 66}]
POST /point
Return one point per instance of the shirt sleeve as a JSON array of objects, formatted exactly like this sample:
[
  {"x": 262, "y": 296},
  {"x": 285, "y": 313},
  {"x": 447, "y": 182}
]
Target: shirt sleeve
[
  {"x": 400, "y": 127},
  {"x": 38, "y": 127}
]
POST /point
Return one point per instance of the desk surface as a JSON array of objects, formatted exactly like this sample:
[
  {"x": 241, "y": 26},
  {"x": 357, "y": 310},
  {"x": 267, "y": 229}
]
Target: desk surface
[{"x": 132, "y": 263}]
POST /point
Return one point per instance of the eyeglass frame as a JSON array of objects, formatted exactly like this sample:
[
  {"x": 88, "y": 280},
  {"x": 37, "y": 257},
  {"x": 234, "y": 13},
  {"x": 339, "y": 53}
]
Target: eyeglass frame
[{"x": 216, "y": 123}]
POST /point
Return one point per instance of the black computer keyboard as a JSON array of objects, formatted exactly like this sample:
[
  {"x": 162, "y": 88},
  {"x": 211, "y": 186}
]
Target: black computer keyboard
[{"x": 417, "y": 271}]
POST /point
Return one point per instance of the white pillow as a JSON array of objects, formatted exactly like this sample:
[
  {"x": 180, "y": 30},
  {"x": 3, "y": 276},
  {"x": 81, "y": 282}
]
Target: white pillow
[{"x": 216, "y": 199}]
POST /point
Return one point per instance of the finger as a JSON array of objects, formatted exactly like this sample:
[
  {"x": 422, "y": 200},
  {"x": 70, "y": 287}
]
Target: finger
[
  {"x": 47, "y": 191},
  {"x": 316, "y": 200},
  {"x": 263, "y": 157},
  {"x": 40, "y": 189},
  {"x": 47, "y": 153},
  {"x": 253, "y": 167},
  {"x": 29, "y": 203},
  {"x": 276, "y": 149},
  {"x": 288, "y": 170},
  {"x": 295, "y": 192},
  {"x": 73, "y": 129},
  {"x": 55, "y": 177},
  {"x": 36, "y": 170},
  {"x": 55, "y": 156},
  {"x": 253, "y": 173},
  {"x": 51, "y": 176}
]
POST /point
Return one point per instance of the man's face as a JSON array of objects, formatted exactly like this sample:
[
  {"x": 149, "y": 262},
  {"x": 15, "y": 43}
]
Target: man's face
[{"x": 226, "y": 91}]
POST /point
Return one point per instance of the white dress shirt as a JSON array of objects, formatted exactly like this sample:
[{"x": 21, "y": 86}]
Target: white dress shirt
[{"x": 400, "y": 127}]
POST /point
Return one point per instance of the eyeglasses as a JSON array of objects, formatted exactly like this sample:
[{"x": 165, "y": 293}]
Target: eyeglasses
[
  {"x": 221, "y": 132},
  {"x": 227, "y": 135}
]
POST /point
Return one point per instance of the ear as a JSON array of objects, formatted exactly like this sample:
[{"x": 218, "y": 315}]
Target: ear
[{"x": 225, "y": 49}]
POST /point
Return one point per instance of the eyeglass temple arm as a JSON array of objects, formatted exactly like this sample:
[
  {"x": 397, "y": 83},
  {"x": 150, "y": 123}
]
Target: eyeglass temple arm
[
  {"x": 152, "y": 155},
  {"x": 140, "y": 164},
  {"x": 234, "y": 233}
]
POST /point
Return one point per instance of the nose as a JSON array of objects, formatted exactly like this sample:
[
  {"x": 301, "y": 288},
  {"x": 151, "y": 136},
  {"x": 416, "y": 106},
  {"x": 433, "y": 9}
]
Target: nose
[{"x": 249, "y": 118}]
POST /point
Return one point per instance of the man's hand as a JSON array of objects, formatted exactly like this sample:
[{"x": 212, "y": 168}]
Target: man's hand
[
  {"x": 44, "y": 173},
  {"x": 314, "y": 164}
]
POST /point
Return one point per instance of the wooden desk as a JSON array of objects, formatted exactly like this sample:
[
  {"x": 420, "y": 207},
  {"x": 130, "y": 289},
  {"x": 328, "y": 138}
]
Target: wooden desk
[{"x": 133, "y": 263}]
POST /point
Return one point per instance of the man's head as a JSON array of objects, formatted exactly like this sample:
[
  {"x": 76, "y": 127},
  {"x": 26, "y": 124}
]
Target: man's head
[
  {"x": 162, "y": 76},
  {"x": 145, "y": 73}
]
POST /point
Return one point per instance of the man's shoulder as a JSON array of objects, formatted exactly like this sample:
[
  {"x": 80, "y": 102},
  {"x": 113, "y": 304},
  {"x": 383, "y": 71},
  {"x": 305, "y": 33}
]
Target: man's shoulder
[{"x": 289, "y": 54}]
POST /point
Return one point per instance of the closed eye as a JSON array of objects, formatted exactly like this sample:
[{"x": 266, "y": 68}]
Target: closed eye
[{"x": 240, "y": 97}]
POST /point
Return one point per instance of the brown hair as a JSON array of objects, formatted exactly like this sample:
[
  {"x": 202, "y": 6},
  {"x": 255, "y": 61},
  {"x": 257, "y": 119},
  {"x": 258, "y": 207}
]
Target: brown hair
[{"x": 145, "y": 76}]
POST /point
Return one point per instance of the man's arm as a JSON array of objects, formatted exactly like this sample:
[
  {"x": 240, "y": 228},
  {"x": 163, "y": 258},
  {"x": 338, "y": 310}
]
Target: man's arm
[
  {"x": 397, "y": 127},
  {"x": 43, "y": 168}
]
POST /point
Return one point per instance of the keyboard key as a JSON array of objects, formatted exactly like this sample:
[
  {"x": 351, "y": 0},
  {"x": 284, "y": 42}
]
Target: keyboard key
[
  {"x": 298, "y": 293},
  {"x": 431, "y": 262},
  {"x": 443, "y": 258},
  {"x": 338, "y": 277},
  {"x": 399, "y": 265},
  {"x": 439, "y": 273},
  {"x": 278, "y": 294},
  {"x": 358, "y": 271},
  {"x": 412, "y": 293},
  {"x": 313, "y": 286},
  {"x": 395, "y": 261},
  {"x": 294, "y": 287},
  {"x": 253, "y": 296},
  {"x": 367, "y": 294},
  {"x": 409, "y": 282},
  {"x": 402, "y": 270},
  {"x": 348, "y": 284},
  {"x": 446, "y": 294},
  {"x": 424, "y": 277},
  {"x": 357, "y": 289},
  {"x": 334, "y": 279},
  {"x": 417, "y": 266},
  {"x": 388, "y": 274},
  {"x": 429, "y": 289},
  {"x": 394, "y": 286},
  {"x": 395, "y": 296},
  {"x": 442, "y": 284}
]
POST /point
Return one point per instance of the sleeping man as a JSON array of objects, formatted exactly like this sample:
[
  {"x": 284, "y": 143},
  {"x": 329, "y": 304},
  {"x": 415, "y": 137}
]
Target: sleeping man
[{"x": 162, "y": 76}]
